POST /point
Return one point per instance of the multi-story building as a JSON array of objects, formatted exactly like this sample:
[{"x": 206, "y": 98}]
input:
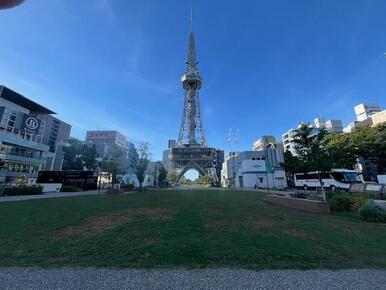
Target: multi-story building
[
  {"x": 379, "y": 118},
  {"x": 56, "y": 134},
  {"x": 263, "y": 143},
  {"x": 273, "y": 150},
  {"x": 334, "y": 126},
  {"x": 22, "y": 152},
  {"x": 288, "y": 138},
  {"x": 251, "y": 169},
  {"x": 107, "y": 142},
  {"x": 319, "y": 124},
  {"x": 365, "y": 111}
]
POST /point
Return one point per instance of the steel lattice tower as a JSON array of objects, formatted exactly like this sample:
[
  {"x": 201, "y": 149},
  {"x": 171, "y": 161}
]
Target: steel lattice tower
[
  {"x": 192, "y": 130},
  {"x": 191, "y": 150}
]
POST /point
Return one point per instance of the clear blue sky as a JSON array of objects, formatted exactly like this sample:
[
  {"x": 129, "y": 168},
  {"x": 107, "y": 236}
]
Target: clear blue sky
[{"x": 266, "y": 65}]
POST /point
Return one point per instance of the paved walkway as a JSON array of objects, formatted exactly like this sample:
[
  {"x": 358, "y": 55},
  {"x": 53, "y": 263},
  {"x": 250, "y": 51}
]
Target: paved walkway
[
  {"x": 48, "y": 195},
  {"x": 93, "y": 279}
]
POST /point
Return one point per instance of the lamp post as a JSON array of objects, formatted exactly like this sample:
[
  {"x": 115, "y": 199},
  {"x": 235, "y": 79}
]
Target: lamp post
[{"x": 100, "y": 165}]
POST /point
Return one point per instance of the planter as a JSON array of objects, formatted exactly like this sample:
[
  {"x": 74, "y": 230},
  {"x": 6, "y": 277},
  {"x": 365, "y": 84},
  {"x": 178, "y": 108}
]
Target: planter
[{"x": 314, "y": 206}]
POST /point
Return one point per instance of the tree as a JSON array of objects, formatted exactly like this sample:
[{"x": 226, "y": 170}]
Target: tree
[
  {"x": 161, "y": 178},
  {"x": 139, "y": 160},
  {"x": 112, "y": 163},
  {"x": 309, "y": 146},
  {"x": 370, "y": 143},
  {"x": 292, "y": 165},
  {"x": 172, "y": 177},
  {"x": 79, "y": 156},
  {"x": 340, "y": 150}
]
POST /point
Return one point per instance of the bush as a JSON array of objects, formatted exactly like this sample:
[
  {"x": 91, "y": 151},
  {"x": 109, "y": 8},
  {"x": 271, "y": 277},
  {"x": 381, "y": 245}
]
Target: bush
[
  {"x": 128, "y": 186},
  {"x": 23, "y": 190},
  {"x": 114, "y": 191},
  {"x": 357, "y": 203},
  {"x": 339, "y": 203},
  {"x": 70, "y": 188},
  {"x": 299, "y": 195},
  {"x": 373, "y": 214}
]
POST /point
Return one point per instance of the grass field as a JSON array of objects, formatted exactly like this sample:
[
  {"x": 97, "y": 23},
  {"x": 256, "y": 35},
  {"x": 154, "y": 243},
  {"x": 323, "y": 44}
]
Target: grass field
[{"x": 183, "y": 228}]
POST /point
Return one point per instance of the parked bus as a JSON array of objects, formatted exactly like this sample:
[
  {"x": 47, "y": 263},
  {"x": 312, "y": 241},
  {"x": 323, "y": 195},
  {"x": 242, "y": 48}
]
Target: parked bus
[
  {"x": 336, "y": 179},
  {"x": 86, "y": 180}
]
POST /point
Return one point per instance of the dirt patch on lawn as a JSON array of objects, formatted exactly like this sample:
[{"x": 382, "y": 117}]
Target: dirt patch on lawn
[{"x": 95, "y": 225}]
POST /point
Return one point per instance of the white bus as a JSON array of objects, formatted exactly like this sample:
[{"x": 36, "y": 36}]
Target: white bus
[{"x": 335, "y": 179}]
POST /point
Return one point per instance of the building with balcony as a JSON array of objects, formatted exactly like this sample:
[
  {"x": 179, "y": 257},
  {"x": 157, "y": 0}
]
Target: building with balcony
[
  {"x": 365, "y": 111},
  {"x": 22, "y": 152}
]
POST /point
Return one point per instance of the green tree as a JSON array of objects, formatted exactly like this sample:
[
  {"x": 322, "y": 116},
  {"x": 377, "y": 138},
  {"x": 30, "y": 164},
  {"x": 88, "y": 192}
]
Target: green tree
[
  {"x": 309, "y": 146},
  {"x": 370, "y": 143},
  {"x": 172, "y": 177},
  {"x": 292, "y": 165},
  {"x": 139, "y": 160},
  {"x": 79, "y": 155},
  {"x": 340, "y": 150},
  {"x": 112, "y": 163},
  {"x": 162, "y": 174}
]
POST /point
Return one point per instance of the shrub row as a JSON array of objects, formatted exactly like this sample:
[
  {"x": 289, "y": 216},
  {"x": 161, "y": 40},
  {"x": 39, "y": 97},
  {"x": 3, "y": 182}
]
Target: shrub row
[
  {"x": 70, "y": 188},
  {"x": 372, "y": 213},
  {"x": 23, "y": 190},
  {"x": 345, "y": 202}
]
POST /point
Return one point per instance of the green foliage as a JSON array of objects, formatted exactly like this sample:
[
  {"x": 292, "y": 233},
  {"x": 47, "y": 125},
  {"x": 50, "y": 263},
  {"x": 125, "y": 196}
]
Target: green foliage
[
  {"x": 368, "y": 142},
  {"x": 139, "y": 160},
  {"x": 162, "y": 176},
  {"x": 128, "y": 186},
  {"x": 70, "y": 188},
  {"x": 340, "y": 203},
  {"x": 172, "y": 177},
  {"x": 79, "y": 155},
  {"x": 292, "y": 164},
  {"x": 310, "y": 149},
  {"x": 205, "y": 180},
  {"x": 23, "y": 190},
  {"x": 112, "y": 163},
  {"x": 373, "y": 214}
]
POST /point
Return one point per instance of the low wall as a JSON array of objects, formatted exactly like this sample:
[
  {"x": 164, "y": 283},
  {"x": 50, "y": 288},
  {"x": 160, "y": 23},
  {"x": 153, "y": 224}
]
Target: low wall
[{"x": 321, "y": 207}]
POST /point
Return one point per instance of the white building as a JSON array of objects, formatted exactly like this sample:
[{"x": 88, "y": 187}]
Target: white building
[
  {"x": 379, "y": 118},
  {"x": 250, "y": 169},
  {"x": 365, "y": 111}
]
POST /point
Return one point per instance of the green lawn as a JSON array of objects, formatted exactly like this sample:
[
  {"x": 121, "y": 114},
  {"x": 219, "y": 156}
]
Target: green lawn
[{"x": 183, "y": 228}]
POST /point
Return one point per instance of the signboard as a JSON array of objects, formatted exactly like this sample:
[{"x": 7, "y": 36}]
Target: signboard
[
  {"x": 100, "y": 135},
  {"x": 30, "y": 124}
]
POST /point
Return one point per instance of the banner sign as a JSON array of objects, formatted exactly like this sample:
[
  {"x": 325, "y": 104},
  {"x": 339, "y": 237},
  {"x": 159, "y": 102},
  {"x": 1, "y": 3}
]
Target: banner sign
[{"x": 30, "y": 124}]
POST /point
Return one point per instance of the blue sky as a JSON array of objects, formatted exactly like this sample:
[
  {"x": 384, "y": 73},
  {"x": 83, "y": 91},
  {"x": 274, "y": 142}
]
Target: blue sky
[{"x": 266, "y": 65}]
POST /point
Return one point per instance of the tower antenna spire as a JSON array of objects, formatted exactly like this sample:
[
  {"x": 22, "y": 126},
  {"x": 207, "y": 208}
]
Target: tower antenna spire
[{"x": 191, "y": 16}]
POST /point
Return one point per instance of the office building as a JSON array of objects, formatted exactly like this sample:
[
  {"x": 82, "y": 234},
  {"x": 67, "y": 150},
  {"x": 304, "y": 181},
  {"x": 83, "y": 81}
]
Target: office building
[
  {"x": 56, "y": 135},
  {"x": 107, "y": 142},
  {"x": 22, "y": 151},
  {"x": 365, "y": 111}
]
